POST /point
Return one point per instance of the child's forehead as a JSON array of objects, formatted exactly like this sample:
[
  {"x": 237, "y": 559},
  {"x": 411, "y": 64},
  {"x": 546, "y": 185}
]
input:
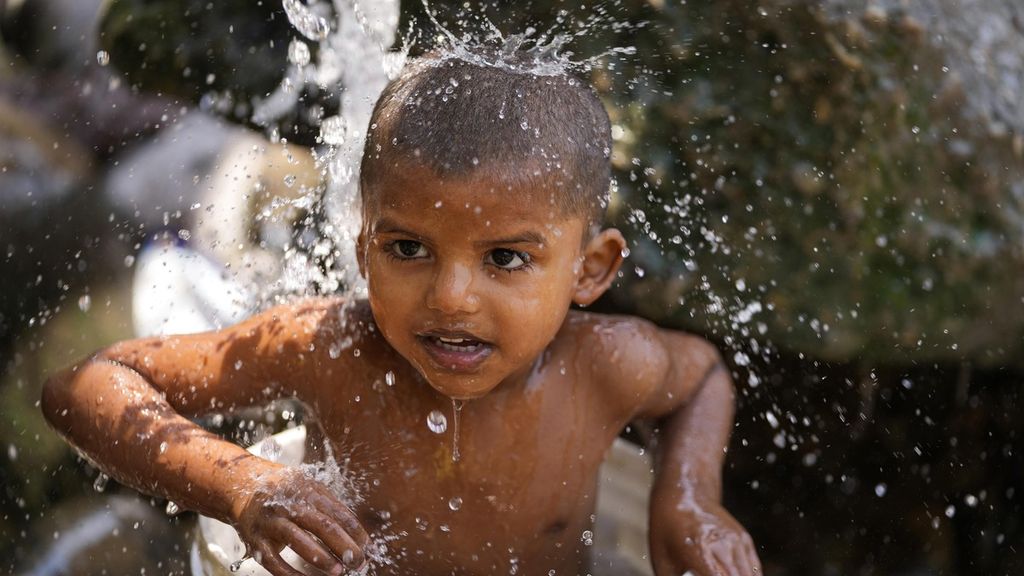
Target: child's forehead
[{"x": 419, "y": 189}]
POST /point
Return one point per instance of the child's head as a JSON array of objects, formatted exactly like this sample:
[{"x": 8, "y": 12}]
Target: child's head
[
  {"x": 463, "y": 119},
  {"x": 482, "y": 188}
]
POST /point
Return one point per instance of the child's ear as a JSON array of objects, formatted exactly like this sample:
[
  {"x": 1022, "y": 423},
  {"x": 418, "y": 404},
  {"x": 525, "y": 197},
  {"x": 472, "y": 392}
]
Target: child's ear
[{"x": 602, "y": 257}]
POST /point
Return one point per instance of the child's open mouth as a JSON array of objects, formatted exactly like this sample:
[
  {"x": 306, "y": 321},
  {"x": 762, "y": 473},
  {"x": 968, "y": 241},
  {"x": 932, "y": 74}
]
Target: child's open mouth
[{"x": 461, "y": 353}]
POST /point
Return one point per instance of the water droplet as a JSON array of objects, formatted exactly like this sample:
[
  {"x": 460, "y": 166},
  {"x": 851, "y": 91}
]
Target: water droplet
[
  {"x": 163, "y": 447},
  {"x": 950, "y": 511},
  {"x": 880, "y": 490},
  {"x": 587, "y": 538},
  {"x": 289, "y": 180},
  {"x": 437, "y": 422},
  {"x": 101, "y": 482},
  {"x": 172, "y": 509},
  {"x": 333, "y": 130},
  {"x": 455, "y": 503},
  {"x": 184, "y": 234},
  {"x": 298, "y": 53},
  {"x": 389, "y": 378},
  {"x": 310, "y": 25},
  {"x": 129, "y": 261},
  {"x": 84, "y": 303},
  {"x": 103, "y": 57}
]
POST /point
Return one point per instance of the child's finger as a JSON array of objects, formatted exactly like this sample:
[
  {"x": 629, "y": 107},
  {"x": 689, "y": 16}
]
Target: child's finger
[
  {"x": 755, "y": 562},
  {"x": 341, "y": 514},
  {"x": 723, "y": 563},
  {"x": 310, "y": 549},
  {"x": 340, "y": 543},
  {"x": 741, "y": 559},
  {"x": 272, "y": 561}
]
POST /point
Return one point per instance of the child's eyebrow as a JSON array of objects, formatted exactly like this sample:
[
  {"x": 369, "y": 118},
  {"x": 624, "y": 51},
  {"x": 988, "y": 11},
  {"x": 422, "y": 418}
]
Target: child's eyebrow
[
  {"x": 526, "y": 237},
  {"x": 386, "y": 226}
]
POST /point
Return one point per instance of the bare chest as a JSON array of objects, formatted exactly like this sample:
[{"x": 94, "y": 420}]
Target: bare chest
[{"x": 480, "y": 490}]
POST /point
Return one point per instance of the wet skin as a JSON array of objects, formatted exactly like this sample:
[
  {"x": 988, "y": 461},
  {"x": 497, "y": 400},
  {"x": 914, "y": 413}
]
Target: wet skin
[{"x": 468, "y": 299}]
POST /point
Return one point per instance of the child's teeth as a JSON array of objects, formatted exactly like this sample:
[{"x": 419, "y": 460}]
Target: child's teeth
[{"x": 456, "y": 344}]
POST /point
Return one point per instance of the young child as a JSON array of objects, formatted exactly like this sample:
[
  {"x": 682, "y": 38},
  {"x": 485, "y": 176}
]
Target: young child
[{"x": 483, "y": 187}]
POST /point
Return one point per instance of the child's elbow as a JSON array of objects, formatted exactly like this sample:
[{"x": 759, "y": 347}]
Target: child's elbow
[
  {"x": 698, "y": 354},
  {"x": 57, "y": 398},
  {"x": 54, "y": 399}
]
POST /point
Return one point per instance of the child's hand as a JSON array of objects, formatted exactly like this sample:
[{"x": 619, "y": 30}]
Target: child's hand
[
  {"x": 702, "y": 538},
  {"x": 282, "y": 508}
]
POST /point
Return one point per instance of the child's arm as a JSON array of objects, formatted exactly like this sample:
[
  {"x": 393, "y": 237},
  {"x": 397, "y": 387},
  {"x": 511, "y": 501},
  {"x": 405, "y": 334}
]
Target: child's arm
[
  {"x": 123, "y": 408},
  {"x": 687, "y": 518},
  {"x": 681, "y": 381}
]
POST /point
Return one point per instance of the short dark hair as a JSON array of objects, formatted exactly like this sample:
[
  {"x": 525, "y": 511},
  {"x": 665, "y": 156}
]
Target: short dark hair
[{"x": 457, "y": 116}]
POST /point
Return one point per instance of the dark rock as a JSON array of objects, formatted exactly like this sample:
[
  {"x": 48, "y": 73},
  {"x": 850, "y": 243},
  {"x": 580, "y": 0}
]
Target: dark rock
[
  {"x": 223, "y": 56},
  {"x": 853, "y": 168}
]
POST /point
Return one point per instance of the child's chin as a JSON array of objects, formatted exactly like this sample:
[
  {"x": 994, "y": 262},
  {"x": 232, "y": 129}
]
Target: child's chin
[{"x": 461, "y": 390}]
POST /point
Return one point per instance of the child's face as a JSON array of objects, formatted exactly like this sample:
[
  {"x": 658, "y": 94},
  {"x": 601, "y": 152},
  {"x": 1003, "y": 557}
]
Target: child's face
[{"x": 468, "y": 280}]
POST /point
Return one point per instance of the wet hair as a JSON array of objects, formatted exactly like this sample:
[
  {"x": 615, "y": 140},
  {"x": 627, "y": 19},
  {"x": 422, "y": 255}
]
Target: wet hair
[{"x": 463, "y": 118}]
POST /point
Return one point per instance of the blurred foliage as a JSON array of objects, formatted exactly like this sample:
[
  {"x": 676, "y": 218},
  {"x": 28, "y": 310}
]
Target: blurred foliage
[
  {"x": 822, "y": 167},
  {"x": 38, "y": 466}
]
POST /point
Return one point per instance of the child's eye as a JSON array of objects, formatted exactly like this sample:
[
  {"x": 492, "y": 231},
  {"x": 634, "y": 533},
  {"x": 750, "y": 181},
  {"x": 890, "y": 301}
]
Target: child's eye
[
  {"x": 408, "y": 249},
  {"x": 508, "y": 259}
]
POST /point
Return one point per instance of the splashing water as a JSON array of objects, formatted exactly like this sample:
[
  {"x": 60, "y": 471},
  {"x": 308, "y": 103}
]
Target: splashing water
[
  {"x": 305, "y": 20},
  {"x": 172, "y": 509},
  {"x": 351, "y": 60},
  {"x": 101, "y": 482},
  {"x": 545, "y": 53}
]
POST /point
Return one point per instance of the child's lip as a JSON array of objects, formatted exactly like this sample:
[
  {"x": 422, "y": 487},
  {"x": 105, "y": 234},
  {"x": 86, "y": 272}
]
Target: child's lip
[
  {"x": 467, "y": 360},
  {"x": 452, "y": 334}
]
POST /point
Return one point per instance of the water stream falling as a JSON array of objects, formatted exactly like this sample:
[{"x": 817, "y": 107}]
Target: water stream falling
[{"x": 456, "y": 420}]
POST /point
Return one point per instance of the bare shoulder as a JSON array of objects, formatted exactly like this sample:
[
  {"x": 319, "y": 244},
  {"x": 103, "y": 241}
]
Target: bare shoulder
[
  {"x": 647, "y": 369},
  {"x": 626, "y": 355}
]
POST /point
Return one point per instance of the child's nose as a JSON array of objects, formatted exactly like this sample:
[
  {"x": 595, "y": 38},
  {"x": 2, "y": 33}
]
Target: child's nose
[{"x": 452, "y": 292}]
